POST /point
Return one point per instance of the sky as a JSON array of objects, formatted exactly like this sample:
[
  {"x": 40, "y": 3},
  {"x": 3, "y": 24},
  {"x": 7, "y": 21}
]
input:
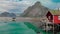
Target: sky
[{"x": 18, "y": 6}]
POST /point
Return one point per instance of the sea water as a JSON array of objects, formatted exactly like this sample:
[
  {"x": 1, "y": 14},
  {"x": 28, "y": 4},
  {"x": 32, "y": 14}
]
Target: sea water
[{"x": 15, "y": 28}]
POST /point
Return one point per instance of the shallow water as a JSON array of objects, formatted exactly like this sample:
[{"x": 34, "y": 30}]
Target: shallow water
[{"x": 15, "y": 28}]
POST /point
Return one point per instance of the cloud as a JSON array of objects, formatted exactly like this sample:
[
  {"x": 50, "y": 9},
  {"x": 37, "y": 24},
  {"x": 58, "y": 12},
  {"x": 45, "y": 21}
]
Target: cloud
[
  {"x": 12, "y": 0},
  {"x": 4, "y": 5},
  {"x": 3, "y": 10},
  {"x": 21, "y": 6},
  {"x": 8, "y": 5}
]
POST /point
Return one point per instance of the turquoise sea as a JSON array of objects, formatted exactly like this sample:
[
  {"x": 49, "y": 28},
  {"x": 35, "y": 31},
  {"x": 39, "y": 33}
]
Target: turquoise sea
[{"x": 15, "y": 28}]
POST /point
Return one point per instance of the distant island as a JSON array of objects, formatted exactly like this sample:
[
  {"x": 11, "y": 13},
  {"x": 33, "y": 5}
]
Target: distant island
[{"x": 7, "y": 14}]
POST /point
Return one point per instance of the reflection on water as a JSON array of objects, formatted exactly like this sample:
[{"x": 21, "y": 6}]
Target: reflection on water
[{"x": 15, "y": 28}]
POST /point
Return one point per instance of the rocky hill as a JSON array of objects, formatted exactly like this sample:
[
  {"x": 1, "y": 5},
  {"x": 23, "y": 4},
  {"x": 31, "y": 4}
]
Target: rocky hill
[
  {"x": 7, "y": 14},
  {"x": 37, "y": 10}
]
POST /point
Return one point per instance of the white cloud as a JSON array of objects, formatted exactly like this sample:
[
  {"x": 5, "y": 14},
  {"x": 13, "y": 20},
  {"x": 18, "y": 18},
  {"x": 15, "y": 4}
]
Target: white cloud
[
  {"x": 3, "y": 10},
  {"x": 8, "y": 5},
  {"x": 11, "y": 0}
]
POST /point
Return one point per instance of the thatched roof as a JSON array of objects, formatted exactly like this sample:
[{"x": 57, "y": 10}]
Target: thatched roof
[{"x": 55, "y": 12}]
